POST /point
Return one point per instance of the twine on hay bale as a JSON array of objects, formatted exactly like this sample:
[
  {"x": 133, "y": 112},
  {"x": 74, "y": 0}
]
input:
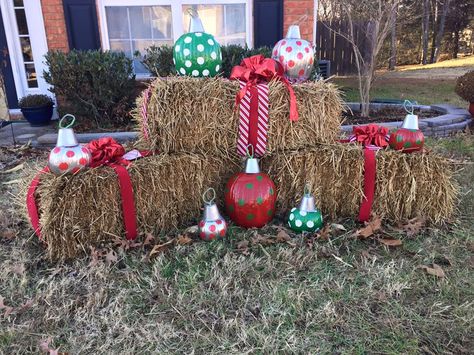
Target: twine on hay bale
[
  {"x": 198, "y": 115},
  {"x": 407, "y": 185},
  {"x": 83, "y": 210}
]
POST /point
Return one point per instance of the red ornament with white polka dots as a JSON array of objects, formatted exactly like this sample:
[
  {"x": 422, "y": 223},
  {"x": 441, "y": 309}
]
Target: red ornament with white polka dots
[
  {"x": 250, "y": 197},
  {"x": 296, "y": 55},
  {"x": 212, "y": 225},
  {"x": 68, "y": 156}
]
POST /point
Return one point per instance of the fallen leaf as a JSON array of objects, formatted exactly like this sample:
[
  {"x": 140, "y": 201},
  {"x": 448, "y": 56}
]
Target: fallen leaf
[
  {"x": 184, "y": 239},
  {"x": 16, "y": 168},
  {"x": 436, "y": 270},
  {"x": 44, "y": 345},
  {"x": 371, "y": 227},
  {"x": 282, "y": 236},
  {"x": 159, "y": 248},
  {"x": 96, "y": 255},
  {"x": 243, "y": 247},
  {"x": 263, "y": 240},
  {"x": 324, "y": 233},
  {"x": 26, "y": 305},
  {"x": 391, "y": 242},
  {"x": 111, "y": 257},
  {"x": 413, "y": 226},
  {"x": 149, "y": 239},
  {"x": 8, "y": 234},
  {"x": 338, "y": 226},
  {"x": 192, "y": 230}
]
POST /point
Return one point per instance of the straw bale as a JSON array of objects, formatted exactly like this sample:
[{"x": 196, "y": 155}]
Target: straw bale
[
  {"x": 407, "y": 185},
  {"x": 199, "y": 115},
  {"x": 83, "y": 210}
]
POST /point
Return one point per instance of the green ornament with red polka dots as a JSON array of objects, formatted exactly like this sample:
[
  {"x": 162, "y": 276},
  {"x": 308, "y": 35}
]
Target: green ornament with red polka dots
[
  {"x": 197, "y": 53},
  {"x": 306, "y": 218},
  {"x": 250, "y": 197}
]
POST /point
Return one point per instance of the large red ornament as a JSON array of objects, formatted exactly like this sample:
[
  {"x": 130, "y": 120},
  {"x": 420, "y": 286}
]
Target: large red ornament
[
  {"x": 407, "y": 140},
  {"x": 250, "y": 197}
]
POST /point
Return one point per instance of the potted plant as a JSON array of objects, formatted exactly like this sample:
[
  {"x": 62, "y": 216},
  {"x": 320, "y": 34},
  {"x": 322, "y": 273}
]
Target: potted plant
[
  {"x": 465, "y": 89},
  {"x": 37, "y": 109}
]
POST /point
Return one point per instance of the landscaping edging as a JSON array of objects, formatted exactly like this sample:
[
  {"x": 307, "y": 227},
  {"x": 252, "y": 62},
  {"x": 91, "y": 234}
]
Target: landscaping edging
[{"x": 450, "y": 121}]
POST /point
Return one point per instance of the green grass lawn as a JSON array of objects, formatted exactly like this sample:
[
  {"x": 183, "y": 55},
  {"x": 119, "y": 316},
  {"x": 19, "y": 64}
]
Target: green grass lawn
[
  {"x": 340, "y": 295},
  {"x": 424, "y": 91}
]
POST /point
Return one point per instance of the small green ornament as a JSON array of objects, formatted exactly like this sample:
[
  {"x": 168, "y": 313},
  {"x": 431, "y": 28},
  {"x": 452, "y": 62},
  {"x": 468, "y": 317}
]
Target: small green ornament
[
  {"x": 306, "y": 218},
  {"x": 197, "y": 53}
]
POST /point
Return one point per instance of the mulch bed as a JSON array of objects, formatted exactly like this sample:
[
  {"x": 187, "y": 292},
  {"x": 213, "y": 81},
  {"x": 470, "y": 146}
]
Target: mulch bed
[{"x": 388, "y": 114}]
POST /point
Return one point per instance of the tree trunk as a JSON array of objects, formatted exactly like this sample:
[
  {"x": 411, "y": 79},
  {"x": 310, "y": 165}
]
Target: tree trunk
[
  {"x": 425, "y": 29},
  {"x": 456, "y": 44},
  {"x": 440, "y": 32},
  {"x": 393, "y": 44},
  {"x": 435, "y": 28}
]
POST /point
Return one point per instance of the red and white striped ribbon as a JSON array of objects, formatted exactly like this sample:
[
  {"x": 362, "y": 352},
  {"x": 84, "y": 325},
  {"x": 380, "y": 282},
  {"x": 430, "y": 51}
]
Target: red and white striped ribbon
[{"x": 245, "y": 126}]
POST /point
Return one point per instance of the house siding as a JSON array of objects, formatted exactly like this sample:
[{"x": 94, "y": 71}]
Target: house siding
[
  {"x": 294, "y": 11},
  {"x": 55, "y": 25}
]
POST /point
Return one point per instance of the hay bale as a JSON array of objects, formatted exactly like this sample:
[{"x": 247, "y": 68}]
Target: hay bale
[
  {"x": 80, "y": 211},
  {"x": 83, "y": 210},
  {"x": 407, "y": 185},
  {"x": 199, "y": 115}
]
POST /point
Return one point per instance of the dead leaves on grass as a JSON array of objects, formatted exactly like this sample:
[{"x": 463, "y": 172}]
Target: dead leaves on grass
[
  {"x": 434, "y": 270},
  {"x": 7, "y": 310}
]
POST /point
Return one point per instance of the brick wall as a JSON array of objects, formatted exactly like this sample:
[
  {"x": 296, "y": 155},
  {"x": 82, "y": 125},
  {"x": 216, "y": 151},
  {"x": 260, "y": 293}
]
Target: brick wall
[
  {"x": 293, "y": 10},
  {"x": 55, "y": 26}
]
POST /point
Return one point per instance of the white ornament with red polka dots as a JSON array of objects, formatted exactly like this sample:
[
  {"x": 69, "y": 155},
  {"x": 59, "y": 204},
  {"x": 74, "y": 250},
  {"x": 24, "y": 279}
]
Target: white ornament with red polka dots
[
  {"x": 68, "y": 157},
  {"x": 296, "y": 55},
  {"x": 212, "y": 225}
]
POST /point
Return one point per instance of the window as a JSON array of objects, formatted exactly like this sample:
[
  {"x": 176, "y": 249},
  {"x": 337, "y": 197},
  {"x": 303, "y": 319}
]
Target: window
[
  {"x": 225, "y": 22},
  {"x": 134, "y": 25},
  {"x": 135, "y": 28},
  {"x": 25, "y": 43}
]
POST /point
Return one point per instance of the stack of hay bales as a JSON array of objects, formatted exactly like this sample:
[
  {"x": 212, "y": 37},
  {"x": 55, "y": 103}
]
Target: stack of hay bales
[{"x": 193, "y": 125}]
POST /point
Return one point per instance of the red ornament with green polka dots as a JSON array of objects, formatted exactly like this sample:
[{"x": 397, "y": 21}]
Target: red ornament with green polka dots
[
  {"x": 250, "y": 197},
  {"x": 407, "y": 140},
  {"x": 197, "y": 53}
]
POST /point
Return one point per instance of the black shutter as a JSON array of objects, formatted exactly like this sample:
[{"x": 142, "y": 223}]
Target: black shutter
[
  {"x": 82, "y": 24},
  {"x": 267, "y": 22}
]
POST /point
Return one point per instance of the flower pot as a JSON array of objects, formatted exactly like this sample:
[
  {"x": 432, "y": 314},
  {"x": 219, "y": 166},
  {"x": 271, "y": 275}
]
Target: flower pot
[
  {"x": 39, "y": 115},
  {"x": 471, "y": 109}
]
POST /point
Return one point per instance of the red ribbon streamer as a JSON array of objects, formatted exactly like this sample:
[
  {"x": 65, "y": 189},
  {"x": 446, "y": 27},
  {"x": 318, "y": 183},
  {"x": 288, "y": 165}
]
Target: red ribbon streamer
[
  {"x": 257, "y": 69},
  {"x": 104, "y": 151},
  {"x": 373, "y": 138}
]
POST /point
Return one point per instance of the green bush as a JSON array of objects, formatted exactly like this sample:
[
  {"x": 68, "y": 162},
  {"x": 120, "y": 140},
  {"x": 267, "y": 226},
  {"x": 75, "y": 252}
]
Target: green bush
[
  {"x": 93, "y": 85},
  {"x": 159, "y": 60}
]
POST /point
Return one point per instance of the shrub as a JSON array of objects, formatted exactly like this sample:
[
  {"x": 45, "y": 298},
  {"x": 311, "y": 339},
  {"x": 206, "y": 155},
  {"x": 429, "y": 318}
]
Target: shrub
[
  {"x": 93, "y": 85},
  {"x": 465, "y": 86},
  {"x": 35, "y": 101},
  {"x": 159, "y": 60}
]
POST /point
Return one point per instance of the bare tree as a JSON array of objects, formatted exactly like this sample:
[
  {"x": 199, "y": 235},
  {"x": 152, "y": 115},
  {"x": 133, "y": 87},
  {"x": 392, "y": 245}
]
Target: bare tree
[
  {"x": 425, "y": 30},
  {"x": 372, "y": 20},
  {"x": 440, "y": 31},
  {"x": 393, "y": 44}
]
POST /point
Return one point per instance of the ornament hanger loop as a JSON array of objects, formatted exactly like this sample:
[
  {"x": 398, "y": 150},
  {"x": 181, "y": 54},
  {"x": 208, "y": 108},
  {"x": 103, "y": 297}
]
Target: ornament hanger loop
[
  {"x": 307, "y": 189},
  {"x": 408, "y": 106},
  {"x": 301, "y": 19},
  {"x": 209, "y": 196},
  {"x": 250, "y": 151},
  {"x": 63, "y": 120},
  {"x": 192, "y": 11}
]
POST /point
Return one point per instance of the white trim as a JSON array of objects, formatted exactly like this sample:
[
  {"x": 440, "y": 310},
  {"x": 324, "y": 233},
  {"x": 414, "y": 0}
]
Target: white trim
[
  {"x": 39, "y": 46},
  {"x": 315, "y": 20},
  {"x": 176, "y": 8}
]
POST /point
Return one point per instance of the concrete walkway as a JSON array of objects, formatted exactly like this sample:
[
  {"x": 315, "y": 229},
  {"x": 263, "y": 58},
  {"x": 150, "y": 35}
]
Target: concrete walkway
[{"x": 20, "y": 132}]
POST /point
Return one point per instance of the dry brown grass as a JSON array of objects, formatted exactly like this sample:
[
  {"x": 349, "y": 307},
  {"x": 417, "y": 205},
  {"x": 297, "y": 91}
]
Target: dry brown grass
[{"x": 198, "y": 115}]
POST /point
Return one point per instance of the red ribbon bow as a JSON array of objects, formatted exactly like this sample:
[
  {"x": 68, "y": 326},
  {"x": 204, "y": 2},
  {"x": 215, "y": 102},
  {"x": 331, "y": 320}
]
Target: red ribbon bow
[
  {"x": 371, "y": 135},
  {"x": 256, "y": 69},
  {"x": 106, "y": 151}
]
